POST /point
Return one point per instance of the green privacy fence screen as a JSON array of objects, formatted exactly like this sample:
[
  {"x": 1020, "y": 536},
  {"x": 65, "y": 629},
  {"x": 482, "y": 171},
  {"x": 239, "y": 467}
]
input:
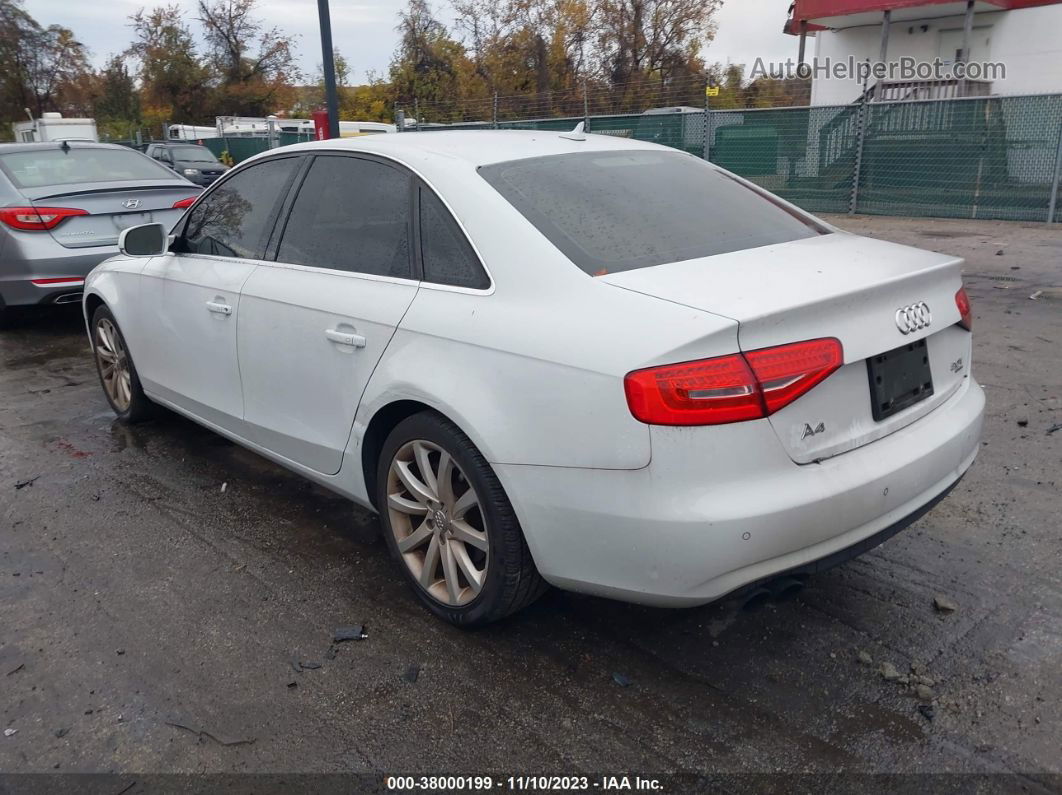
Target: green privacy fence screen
[
  {"x": 242, "y": 147},
  {"x": 985, "y": 157}
]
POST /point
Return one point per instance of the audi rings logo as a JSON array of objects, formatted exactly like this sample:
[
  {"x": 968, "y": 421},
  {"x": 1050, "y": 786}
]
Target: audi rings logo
[{"x": 913, "y": 318}]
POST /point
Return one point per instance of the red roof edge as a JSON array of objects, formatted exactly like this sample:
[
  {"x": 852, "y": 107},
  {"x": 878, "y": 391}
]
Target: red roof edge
[{"x": 806, "y": 10}]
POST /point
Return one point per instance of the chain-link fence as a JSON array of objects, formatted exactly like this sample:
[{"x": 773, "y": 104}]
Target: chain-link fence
[{"x": 982, "y": 157}]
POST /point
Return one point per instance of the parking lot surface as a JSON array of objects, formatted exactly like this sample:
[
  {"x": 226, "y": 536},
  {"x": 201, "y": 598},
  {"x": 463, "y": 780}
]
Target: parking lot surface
[{"x": 168, "y": 602}]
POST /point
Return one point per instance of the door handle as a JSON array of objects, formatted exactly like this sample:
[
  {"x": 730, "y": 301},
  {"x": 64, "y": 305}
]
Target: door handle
[
  {"x": 345, "y": 338},
  {"x": 219, "y": 308}
]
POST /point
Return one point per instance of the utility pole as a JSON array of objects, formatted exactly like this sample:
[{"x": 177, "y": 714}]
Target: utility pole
[{"x": 329, "y": 66}]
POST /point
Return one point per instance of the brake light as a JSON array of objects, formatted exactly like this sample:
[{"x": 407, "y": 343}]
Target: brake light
[
  {"x": 37, "y": 218},
  {"x": 788, "y": 371},
  {"x": 730, "y": 388},
  {"x": 962, "y": 300},
  {"x": 180, "y": 205}
]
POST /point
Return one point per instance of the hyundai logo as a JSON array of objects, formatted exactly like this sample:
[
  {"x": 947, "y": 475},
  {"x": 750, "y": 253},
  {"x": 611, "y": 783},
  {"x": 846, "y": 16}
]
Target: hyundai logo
[
  {"x": 131, "y": 204},
  {"x": 913, "y": 318}
]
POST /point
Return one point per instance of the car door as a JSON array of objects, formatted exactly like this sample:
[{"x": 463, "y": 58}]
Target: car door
[
  {"x": 315, "y": 322},
  {"x": 190, "y": 298}
]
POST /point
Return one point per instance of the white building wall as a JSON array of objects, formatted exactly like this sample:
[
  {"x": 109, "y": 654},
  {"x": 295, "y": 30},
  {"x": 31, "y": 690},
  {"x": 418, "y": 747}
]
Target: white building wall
[{"x": 1028, "y": 41}]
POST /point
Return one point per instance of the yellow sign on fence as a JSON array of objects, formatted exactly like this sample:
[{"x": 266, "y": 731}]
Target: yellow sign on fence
[{"x": 711, "y": 91}]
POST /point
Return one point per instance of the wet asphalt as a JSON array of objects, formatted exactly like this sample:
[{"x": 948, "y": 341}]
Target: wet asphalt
[{"x": 165, "y": 596}]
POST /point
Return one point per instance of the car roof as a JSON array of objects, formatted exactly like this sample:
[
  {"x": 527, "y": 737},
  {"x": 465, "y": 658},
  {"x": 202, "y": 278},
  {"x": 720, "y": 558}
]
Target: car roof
[
  {"x": 42, "y": 146},
  {"x": 477, "y": 147}
]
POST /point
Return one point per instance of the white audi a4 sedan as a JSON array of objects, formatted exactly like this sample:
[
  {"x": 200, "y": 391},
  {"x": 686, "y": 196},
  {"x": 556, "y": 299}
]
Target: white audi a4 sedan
[{"x": 550, "y": 358}]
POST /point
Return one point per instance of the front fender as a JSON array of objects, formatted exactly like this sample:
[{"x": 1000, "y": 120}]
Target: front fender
[{"x": 114, "y": 281}]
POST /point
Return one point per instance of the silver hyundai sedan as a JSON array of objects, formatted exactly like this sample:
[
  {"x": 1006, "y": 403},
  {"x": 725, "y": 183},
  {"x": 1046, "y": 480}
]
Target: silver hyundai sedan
[{"x": 62, "y": 207}]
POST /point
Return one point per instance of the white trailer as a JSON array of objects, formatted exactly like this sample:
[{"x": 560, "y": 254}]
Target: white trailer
[{"x": 53, "y": 127}]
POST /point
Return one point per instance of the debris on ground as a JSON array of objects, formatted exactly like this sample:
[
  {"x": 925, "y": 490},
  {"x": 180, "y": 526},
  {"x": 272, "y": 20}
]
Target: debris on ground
[
  {"x": 999, "y": 253},
  {"x": 61, "y": 733},
  {"x": 309, "y": 665},
  {"x": 21, "y": 484},
  {"x": 1036, "y": 295},
  {"x": 621, "y": 680},
  {"x": 16, "y": 669},
  {"x": 223, "y": 487},
  {"x": 889, "y": 673},
  {"x": 1023, "y": 423},
  {"x": 1054, "y": 428},
  {"x": 296, "y": 666},
  {"x": 343, "y": 634},
  {"x": 944, "y": 605},
  {"x": 924, "y": 692},
  {"x": 293, "y": 683},
  {"x": 412, "y": 673},
  {"x": 927, "y": 711},
  {"x": 10, "y": 732},
  {"x": 865, "y": 658},
  {"x": 119, "y": 652},
  {"x": 204, "y": 733}
]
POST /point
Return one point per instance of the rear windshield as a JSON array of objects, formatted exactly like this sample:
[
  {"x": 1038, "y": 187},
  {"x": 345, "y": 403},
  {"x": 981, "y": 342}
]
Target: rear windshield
[
  {"x": 42, "y": 167},
  {"x": 617, "y": 211}
]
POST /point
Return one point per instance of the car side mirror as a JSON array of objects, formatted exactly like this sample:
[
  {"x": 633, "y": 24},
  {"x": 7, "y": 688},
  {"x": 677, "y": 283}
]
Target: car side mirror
[{"x": 146, "y": 240}]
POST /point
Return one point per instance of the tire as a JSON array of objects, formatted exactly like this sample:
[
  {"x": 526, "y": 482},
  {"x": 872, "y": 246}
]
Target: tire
[
  {"x": 124, "y": 394},
  {"x": 486, "y": 534}
]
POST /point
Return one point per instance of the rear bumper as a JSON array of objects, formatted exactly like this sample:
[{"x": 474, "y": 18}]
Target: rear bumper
[
  {"x": 17, "y": 276},
  {"x": 720, "y": 508}
]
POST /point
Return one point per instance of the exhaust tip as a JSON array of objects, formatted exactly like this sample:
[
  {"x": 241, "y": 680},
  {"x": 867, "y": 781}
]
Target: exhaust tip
[{"x": 68, "y": 298}]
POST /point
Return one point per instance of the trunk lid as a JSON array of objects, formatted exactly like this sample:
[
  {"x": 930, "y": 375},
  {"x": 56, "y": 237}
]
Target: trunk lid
[
  {"x": 835, "y": 285},
  {"x": 148, "y": 201}
]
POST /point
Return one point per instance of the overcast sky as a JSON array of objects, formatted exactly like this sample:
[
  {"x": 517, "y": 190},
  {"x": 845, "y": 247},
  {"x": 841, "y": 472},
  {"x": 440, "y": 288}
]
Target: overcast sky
[{"x": 364, "y": 29}]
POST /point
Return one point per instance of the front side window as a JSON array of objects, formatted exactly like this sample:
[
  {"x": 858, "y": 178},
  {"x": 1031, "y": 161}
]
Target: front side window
[
  {"x": 444, "y": 251},
  {"x": 235, "y": 219},
  {"x": 351, "y": 214},
  {"x": 621, "y": 210}
]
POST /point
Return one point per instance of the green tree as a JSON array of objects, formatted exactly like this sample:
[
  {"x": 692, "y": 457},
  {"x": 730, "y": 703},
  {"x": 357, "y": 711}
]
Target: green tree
[
  {"x": 174, "y": 81},
  {"x": 118, "y": 99},
  {"x": 429, "y": 65},
  {"x": 38, "y": 64},
  {"x": 255, "y": 66}
]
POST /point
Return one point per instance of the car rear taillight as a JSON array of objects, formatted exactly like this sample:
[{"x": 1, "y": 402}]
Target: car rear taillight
[
  {"x": 788, "y": 371},
  {"x": 180, "y": 205},
  {"x": 730, "y": 388},
  {"x": 962, "y": 300},
  {"x": 37, "y": 218}
]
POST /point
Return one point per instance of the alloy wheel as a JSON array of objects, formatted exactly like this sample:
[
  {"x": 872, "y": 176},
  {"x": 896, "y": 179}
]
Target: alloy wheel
[
  {"x": 113, "y": 362},
  {"x": 438, "y": 523}
]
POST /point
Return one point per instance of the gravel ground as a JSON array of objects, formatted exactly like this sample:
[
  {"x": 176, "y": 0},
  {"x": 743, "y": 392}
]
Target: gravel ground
[{"x": 161, "y": 589}]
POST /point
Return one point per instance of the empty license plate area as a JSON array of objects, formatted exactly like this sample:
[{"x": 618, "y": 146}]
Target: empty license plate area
[{"x": 899, "y": 378}]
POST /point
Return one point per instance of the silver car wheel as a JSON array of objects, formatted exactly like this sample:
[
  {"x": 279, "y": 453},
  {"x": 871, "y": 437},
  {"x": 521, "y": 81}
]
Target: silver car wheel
[
  {"x": 438, "y": 524},
  {"x": 113, "y": 362}
]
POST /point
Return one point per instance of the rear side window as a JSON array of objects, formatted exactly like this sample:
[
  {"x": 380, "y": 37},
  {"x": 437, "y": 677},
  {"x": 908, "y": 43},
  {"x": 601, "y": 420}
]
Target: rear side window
[
  {"x": 44, "y": 167},
  {"x": 350, "y": 215},
  {"x": 617, "y": 211},
  {"x": 235, "y": 218},
  {"x": 445, "y": 252}
]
